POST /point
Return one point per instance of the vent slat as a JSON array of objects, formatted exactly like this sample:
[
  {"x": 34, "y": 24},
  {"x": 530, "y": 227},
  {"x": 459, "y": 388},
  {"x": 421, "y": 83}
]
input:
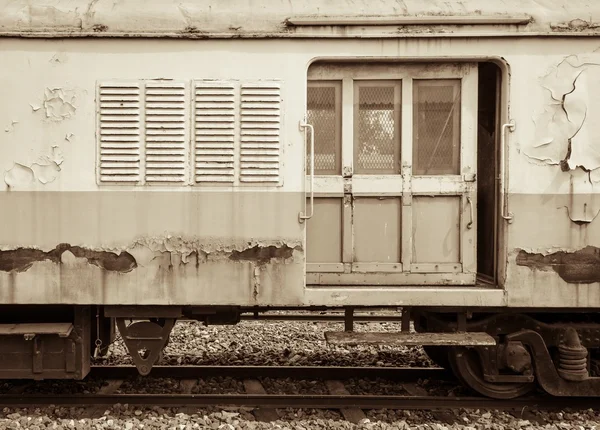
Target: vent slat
[
  {"x": 260, "y": 140},
  {"x": 119, "y": 137},
  {"x": 166, "y": 137},
  {"x": 214, "y": 134}
]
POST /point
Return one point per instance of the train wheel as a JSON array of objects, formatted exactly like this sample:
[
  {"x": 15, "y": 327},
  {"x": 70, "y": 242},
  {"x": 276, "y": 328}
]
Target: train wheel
[
  {"x": 439, "y": 355},
  {"x": 466, "y": 365}
]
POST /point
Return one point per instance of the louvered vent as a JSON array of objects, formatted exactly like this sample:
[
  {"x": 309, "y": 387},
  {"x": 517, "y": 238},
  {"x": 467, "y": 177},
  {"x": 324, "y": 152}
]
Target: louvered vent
[
  {"x": 214, "y": 132},
  {"x": 119, "y": 132},
  {"x": 165, "y": 109},
  {"x": 260, "y": 137}
]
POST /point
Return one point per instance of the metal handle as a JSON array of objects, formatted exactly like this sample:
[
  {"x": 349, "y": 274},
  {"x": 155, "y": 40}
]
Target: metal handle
[
  {"x": 303, "y": 215},
  {"x": 508, "y": 216},
  {"x": 470, "y": 223}
]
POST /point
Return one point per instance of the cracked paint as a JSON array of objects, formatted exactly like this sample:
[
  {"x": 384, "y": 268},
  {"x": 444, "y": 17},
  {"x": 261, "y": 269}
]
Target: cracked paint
[
  {"x": 59, "y": 104},
  {"x": 579, "y": 267},
  {"x": 567, "y": 134}
]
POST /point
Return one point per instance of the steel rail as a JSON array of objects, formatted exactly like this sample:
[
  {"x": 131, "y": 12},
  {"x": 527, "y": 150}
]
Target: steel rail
[
  {"x": 407, "y": 374},
  {"x": 312, "y": 401},
  {"x": 319, "y": 318}
]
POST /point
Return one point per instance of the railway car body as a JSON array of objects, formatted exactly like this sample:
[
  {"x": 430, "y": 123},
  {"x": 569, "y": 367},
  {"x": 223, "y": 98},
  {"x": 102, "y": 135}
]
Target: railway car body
[{"x": 203, "y": 159}]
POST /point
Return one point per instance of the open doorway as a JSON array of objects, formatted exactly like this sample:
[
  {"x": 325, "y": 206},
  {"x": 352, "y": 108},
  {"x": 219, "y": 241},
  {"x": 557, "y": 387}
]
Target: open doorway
[{"x": 488, "y": 128}]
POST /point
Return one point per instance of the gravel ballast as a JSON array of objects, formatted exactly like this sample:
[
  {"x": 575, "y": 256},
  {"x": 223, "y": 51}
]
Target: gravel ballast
[
  {"x": 282, "y": 343},
  {"x": 291, "y": 343},
  {"x": 126, "y": 417}
]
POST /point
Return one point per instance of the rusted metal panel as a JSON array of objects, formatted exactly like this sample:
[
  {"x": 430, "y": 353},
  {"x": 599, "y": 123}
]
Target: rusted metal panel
[
  {"x": 277, "y": 18},
  {"x": 409, "y": 339}
]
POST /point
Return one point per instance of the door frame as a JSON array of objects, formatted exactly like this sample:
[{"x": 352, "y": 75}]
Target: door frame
[{"x": 403, "y": 184}]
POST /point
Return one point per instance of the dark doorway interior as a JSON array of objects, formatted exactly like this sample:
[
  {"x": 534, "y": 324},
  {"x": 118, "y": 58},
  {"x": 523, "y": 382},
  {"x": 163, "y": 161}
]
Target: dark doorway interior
[{"x": 487, "y": 167}]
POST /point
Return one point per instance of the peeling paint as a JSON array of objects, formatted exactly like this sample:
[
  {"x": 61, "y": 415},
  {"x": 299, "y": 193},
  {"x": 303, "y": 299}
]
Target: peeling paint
[
  {"x": 59, "y": 104},
  {"x": 575, "y": 25},
  {"x": 45, "y": 170},
  {"x": 21, "y": 259},
  {"x": 11, "y": 127},
  {"x": 584, "y": 202},
  {"x": 579, "y": 267},
  {"x": 171, "y": 254},
  {"x": 18, "y": 175},
  {"x": 567, "y": 134},
  {"x": 212, "y": 246}
]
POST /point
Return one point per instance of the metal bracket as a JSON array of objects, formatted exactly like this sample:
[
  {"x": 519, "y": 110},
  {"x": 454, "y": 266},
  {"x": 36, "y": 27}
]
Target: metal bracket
[{"x": 145, "y": 341}]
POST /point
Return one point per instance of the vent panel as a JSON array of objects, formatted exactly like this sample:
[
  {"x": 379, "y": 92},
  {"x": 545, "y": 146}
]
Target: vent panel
[
  {"x": 119, "y": 133},
  {"x": 166, "y": 136},
  {"x": 260, "y": 132},
  {"x": 214, "y": 132}
]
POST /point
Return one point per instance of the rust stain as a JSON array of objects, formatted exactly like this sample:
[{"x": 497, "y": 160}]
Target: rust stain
[
  {"x": 262, "y": 254},
  {"x": 21, "y": 259},
  {"x": 98, "y": 28},
  {"x": 579, "y": 267},
  {"x": 576, "y": 24}
]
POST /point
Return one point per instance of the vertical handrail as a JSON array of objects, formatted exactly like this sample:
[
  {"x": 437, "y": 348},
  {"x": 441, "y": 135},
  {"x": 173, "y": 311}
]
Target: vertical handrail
[
  {"x": 508, "y": 216},
  {"x": 303, "y": 215}
]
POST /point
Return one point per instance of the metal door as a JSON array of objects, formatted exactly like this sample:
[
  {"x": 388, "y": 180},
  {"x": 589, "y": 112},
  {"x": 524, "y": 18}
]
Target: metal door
[{"x": 395, "y": 174}]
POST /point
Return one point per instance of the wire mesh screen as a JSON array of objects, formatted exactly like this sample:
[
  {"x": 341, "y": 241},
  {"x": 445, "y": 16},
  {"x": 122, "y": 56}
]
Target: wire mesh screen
[
  {"x": 376, "y": 129},
  {"x": 436, "y": 128},
  {"x": 324, "y": 115}
]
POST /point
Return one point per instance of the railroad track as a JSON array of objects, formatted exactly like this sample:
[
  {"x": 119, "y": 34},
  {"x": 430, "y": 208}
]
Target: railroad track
[{"x": 266, "y": 405}]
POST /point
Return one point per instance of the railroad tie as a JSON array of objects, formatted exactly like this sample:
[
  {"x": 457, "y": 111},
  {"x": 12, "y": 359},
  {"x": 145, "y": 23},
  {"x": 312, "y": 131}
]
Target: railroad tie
[
  {"x": 353, "y": 415},
  {"x": 253, "y": 386},
  {"x": 110, "y": 388}
]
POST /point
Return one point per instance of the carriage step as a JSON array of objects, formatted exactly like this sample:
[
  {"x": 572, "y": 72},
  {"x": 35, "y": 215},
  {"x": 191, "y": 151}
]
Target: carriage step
[
  {"x": 32, "y": 329},
  {"x": 351, "y": 338}
]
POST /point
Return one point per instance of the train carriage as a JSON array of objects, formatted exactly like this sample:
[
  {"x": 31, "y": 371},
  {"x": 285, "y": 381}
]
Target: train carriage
[{"x": 165, "y": 159}]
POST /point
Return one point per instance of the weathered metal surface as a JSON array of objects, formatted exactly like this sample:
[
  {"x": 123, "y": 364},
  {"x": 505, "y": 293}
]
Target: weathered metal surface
[
  {"x": 33, "y": 329},
  {"x": 579, "y": 267},
  {"x": 46, "y": 350},
  {"x": 277, "y": 18},
  {"x": 50, "y": 186},
  {"x": 409, "y": 339},
  {"x": 554, "y": 172}
]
